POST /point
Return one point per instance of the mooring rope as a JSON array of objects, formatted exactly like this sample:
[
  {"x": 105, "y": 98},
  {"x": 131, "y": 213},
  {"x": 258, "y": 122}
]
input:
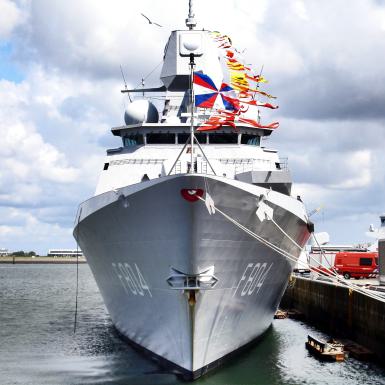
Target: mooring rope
[
  {"x": 77, "y": 273},
  {"x": 331, "y": 274}
]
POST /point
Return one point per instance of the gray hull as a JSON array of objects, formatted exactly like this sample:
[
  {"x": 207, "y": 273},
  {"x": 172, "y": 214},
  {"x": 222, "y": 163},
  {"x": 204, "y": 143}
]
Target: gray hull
[{"x": 187, "y": 286}]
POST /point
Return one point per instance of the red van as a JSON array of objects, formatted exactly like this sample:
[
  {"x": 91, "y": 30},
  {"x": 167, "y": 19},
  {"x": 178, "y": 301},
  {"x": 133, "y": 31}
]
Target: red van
[{"x": 356, "y": 264}]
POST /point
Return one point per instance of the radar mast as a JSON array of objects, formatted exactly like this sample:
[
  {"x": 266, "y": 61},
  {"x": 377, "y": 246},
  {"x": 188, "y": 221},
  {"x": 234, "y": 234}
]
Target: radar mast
[{"x": 190, "y": 21}]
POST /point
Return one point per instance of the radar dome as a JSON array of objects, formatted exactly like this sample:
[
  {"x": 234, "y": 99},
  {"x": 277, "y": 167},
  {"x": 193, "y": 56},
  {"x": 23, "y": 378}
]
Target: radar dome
[{"x": 141, "y": 111}]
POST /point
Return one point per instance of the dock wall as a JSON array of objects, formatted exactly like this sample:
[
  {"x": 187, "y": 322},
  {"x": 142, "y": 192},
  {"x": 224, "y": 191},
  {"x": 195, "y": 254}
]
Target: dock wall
[
  {"x": 41, "y": 260},
  {"x": 339, "y": 311}
]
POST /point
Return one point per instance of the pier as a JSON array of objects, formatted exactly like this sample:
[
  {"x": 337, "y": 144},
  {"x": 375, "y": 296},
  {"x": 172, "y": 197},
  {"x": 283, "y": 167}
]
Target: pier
[
  {"x": 339, "y": 311},
  {"x": 40, "y": 260}
]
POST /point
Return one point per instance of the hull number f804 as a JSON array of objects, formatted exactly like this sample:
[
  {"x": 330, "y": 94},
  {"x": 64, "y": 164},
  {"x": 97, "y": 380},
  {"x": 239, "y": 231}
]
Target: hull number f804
[
  {"x": 131, "y": 279},
  {"x": 252, "y": 278}
]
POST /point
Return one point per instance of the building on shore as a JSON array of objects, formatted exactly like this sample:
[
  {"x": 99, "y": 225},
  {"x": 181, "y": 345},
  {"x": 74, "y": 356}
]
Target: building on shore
[
  {"x": 64, "y": 253},
  {"x": 4, "y": 252}
]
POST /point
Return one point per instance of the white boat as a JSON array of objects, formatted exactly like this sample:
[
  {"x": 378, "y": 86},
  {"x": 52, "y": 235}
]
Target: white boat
[{"x": 189, "y": 232}]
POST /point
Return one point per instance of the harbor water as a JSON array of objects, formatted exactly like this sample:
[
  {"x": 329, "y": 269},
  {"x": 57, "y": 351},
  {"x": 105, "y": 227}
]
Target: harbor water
[{"x": 38, "y": 345}]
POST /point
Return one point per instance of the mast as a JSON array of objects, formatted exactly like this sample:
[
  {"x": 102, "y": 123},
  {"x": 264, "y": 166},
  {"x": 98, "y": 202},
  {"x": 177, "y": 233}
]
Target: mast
[
  {"x": 192, "y": 65},
  {"x": 190, "y": 21}
]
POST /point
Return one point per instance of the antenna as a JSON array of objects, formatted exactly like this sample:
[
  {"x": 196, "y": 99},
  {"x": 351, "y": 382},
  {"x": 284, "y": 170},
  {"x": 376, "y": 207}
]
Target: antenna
[
  {"x": 124, "y": 79},
  {"x": 125, "y": 83},
  {"x": 150, "y": 21},
  {"x": 259, "y": 112},
  {"x": 190, "y": 21},
  {"x": 260, "y": 74}
]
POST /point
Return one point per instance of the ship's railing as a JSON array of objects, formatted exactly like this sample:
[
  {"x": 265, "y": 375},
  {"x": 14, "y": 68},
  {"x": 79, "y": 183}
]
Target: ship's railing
[
  {"x": 179, "y": 168},
  {"x": 239, "y": 166},
  {"x": 120, "y": 162},
  {"x": 283, "y": 163},
  {"x": 231, "y": 166}
]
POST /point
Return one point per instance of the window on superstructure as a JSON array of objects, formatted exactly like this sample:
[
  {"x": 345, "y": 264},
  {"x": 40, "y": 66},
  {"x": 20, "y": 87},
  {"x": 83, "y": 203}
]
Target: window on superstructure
[
  {"x": 223, "y": 138},
  {"x": 132, "y": 140},
  {"x": 252, "y": 140},
  {"x": 182, "y": 138},
  {"x": 160, "y": 138},
  {"x": 202, "y": 138}
]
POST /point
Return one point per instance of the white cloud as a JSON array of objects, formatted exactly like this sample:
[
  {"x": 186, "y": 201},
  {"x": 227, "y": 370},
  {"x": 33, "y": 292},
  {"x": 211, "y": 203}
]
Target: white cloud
[
  {"x": 300, "y": 10},
  {"x": 379, "y": 16},
  {"x": 357, "y": 163},
  {"x": 10, "y": 17},
  {"x": 23, "y": 148},
  {"x": 250, "y": 12},
  {"x": 26, "y": 231},
  {"x": 91, "y": 38},
  {"x": 55, "y": 124},
  {"x": 312, "y": 194}
]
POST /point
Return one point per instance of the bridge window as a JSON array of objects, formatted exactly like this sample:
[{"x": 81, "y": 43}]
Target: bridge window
[
  {"x": 132, "y": 140},
  {"x": 202, "y": 138},
  {"x": 159, "y": 138},
  {"x": 182, "y": 138},
  {"x": 223, "y": 138},
  {"x": 253, "y": 140}
]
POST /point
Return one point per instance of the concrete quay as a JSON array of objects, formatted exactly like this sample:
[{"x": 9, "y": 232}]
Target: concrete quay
[
  {"x": 40, "y": 260},
  {"x": 340, "y": 312}
]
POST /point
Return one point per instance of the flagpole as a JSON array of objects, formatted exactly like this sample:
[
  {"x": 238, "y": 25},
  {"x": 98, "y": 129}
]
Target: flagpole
[{"x": 192, "y": 64}]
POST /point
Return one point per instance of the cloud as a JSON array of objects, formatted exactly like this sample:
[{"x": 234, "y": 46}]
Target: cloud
[
  {"x": 90, "y": 38},
  {"x": 300, "y": 10},
  {"x": 24, "y": 230},
  {"x": 51, "y": 153},
  {"x": 10, "y": 17},
  {"x": 26, "y": 155},
  {"x": 55, "y": 124},
  {"x": 338, "y": 171},
  {"x": 341, "y": 77}
]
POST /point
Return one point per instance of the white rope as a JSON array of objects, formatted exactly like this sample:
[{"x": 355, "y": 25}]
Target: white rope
[
  {"x": 331, "y": 273},
  {"x": 286, "y": 234},
  {"x": 276, "y": 248}
]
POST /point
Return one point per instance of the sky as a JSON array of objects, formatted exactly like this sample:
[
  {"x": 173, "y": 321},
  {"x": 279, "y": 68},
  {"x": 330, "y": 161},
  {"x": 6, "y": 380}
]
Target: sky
[{"x": 60, "y": 94}]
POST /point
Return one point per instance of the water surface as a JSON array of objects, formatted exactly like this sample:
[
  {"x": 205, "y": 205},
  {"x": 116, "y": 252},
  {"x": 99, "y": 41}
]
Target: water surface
[{"x": 38, "y": 346}]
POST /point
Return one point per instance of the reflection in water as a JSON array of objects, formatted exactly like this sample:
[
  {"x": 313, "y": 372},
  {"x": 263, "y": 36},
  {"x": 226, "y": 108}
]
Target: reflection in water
[{"x": 38, "y": 347}]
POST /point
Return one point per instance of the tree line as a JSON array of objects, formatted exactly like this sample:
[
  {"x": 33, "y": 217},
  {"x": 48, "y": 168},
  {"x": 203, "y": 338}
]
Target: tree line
[{"x": 22, "y": 253}]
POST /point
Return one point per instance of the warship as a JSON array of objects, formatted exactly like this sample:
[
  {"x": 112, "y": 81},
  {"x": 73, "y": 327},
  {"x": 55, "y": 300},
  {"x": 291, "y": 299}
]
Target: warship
[{"x": 192, "y": 233}]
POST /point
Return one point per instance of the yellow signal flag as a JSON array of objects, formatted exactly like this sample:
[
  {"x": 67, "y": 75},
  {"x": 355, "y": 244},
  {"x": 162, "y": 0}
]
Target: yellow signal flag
[
  {"x": 238, "y": 77},
  {"x": 236, "y": 66}
]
